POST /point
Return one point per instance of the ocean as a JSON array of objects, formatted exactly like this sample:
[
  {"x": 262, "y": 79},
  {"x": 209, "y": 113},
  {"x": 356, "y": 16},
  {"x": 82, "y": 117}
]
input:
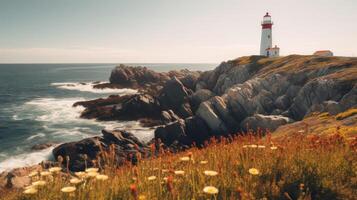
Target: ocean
[{"x": 36, "y": 107}]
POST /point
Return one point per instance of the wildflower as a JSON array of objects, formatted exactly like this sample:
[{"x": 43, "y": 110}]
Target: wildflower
[
  {"x": 33, "y": 173},
  {"x": 261, "y": 146},
  {"x": 45, "y": 173},
  {"x": 31, "y": 190},
  {"x": 245, "y": 146},
  {"x": 165, "y": 170},
  {"x": 39, "y": 183},
  {"x": 68, "y": 189},
  {"x": 253, "y": 146},
  {"x": 151, "y": 178},
  {"x": 273, "y": 147},
  {"x": 101, "y": 177},
  {"x": 185, "y": 159},
  {"x": 134, "y": 178},
  {"x": 210, "y": 190},
  {"x": 92, "y": 170},
  {"x": 165, "y": 178},
  {"x": 134, "y": 191},
  {"x": 80, "y": 174},
  {"x": 179, "y": 172},
  {"x": 203, "y": 162},
  {"x": 92, "y": 174},
  {"x": 210, "y": 173},
  {"x": 142, "y": 197},
  {"x": 54, "y": 169},
  {"x": 75, "y": 181},
  {"x": 253, "y": 171}
]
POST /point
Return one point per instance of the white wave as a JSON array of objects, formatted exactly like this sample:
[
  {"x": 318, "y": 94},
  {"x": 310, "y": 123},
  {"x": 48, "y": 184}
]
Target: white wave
[
  {"x": 35, "y": 136},
  {"x": 26, "y": 159},
  {"x": 61, "y": 122},
  {"x": 88, "y": 87}
]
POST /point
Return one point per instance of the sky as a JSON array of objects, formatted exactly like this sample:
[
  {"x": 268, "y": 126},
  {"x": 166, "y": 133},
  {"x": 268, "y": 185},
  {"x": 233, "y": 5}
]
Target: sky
[{"x": 169, "y": 31}]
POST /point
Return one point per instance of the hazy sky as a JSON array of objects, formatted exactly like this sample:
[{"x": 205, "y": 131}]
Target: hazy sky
[{"x": 66, "y": 31}]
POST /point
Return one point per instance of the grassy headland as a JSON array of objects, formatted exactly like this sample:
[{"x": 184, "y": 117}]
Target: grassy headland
[{"x": 308, "y": 163}]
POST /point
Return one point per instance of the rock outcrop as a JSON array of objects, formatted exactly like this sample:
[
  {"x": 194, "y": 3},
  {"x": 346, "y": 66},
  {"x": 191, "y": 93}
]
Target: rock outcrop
[
  {"x": 124, "y": 144},
  {"x": 261, "y": 92}
]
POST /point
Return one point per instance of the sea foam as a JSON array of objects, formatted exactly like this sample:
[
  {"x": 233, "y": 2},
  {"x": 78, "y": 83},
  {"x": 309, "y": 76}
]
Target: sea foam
[{"x": 88, "y": 87}]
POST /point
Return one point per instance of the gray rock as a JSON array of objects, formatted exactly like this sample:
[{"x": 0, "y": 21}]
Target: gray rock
[
  {"x": 206, "y": 112},
  {"x": 270, "y": 122}
]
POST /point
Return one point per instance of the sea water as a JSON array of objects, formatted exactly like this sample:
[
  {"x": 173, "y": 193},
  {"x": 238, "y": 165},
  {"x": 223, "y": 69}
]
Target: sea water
[{"x": 36, "y": 107}]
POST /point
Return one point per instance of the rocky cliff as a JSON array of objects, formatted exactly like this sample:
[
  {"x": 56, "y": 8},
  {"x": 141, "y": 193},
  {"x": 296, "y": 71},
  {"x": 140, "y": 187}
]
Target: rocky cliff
[{"x": 245, "y": 93}]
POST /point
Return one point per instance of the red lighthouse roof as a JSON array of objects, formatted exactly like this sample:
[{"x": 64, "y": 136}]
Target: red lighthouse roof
[{"x": 267, "y": 15}]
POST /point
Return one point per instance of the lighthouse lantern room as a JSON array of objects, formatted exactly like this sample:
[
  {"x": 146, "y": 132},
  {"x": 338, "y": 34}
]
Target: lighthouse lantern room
[{"x": 266, "y": 47}]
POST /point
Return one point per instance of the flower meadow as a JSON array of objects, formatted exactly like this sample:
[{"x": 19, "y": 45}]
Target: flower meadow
[{"x": 237, "y": 167}]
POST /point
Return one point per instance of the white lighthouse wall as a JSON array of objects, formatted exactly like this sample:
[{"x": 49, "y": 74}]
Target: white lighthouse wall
[{"x": 266, "y": 41}]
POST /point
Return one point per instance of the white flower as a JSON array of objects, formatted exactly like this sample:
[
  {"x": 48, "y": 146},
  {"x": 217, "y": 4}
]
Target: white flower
[
  {"x": 210, "y": 190},
  {"x": 39, "y": 183},
  {"x": 68, "y": 189},
  {"x": 92, "y": 174},
  {"x": 92, "y": 170},
  {"x": 75, "y": 181},
  {"x": 210, "y": 173},
  {"x": 102, "y": 177},
  {"x": 55, "y": 169},
  {"x": 185, "y": 159},
  {"x": 45, "y": 173},
  {"x": 261, "y": 146},
  {"x": 33, "y": 173},
  {"x": 179, "y": 172},
  {"x": 80, "y": 174},
  {"x": 203, "y": 162},
  {"x": 31, "y": 190},
  {"x": 151, "y": 178},
  {"x": 253, "y": 171},
  {"x": 273, "y": 147}
]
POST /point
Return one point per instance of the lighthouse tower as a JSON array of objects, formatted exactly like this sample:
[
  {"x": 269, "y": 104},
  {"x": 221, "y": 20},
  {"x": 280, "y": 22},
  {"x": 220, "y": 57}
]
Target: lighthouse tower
[{"x": 267, "y": 38}]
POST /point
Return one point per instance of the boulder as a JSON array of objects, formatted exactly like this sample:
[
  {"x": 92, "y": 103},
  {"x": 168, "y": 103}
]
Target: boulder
[
  {"x": 169, "y": 116},
  {"x": 172, "y": 132},
  {"x": 37, "y": 147},
  {"x": 197, "y": 130},
  {"x": 75, "y": 151},
  {"x": 206, "y": 112},
  {"x": 270, "y": 122},
  {"x": 121, "y": 142},
  {"x": 200, "y": 96}
]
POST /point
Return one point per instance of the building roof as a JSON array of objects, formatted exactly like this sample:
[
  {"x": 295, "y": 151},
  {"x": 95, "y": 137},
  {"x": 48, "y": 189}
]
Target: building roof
[{"x": 323, "y": 51}]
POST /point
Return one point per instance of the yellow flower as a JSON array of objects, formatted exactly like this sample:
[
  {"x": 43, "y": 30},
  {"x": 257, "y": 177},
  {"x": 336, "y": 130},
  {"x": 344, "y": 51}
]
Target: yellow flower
[
  {"x": 253, "y": 146},
  {"x": 273, "y": 147},
  {"x": 92, "y": 174},
  {"x": 210, "y": 190},
  {"x": 39, "y": 183},
  {"x": 75, "y": 181},
  {"x": 68, "y": 189},
  {"x": 210, "y": 173},
  {"x": 203, "y": 162},
  {"x": 151, "y": 178},
  {"x": 101, "y": 177},
  {"x": 253, "y": 171},
  {"x": 92, "y": 170},
  {"x": 185, "y": 159},
  {"x": 179, "y": 172},
  {"x": 55, "y": 169},
  {"x": 80, "y": 174},
  {"x": 142, "y": 197},
  {"x": 31, "y": 190},
  {"x": 261, "y": 146},
  {"x": 33, "y": 173},
  {"x": 45, "y": 173}
]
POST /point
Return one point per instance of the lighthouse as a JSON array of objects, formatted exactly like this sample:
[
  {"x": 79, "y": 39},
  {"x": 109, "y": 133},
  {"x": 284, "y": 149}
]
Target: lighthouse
[{"x": 266, "y": 43}]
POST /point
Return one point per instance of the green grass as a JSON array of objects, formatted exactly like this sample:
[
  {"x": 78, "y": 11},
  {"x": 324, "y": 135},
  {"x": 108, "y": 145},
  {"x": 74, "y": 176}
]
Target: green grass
[{"x": 300, "y": 167}]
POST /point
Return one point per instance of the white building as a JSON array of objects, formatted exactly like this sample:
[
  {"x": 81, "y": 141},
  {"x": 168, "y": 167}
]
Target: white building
[{"x": 266, "y": 47}]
